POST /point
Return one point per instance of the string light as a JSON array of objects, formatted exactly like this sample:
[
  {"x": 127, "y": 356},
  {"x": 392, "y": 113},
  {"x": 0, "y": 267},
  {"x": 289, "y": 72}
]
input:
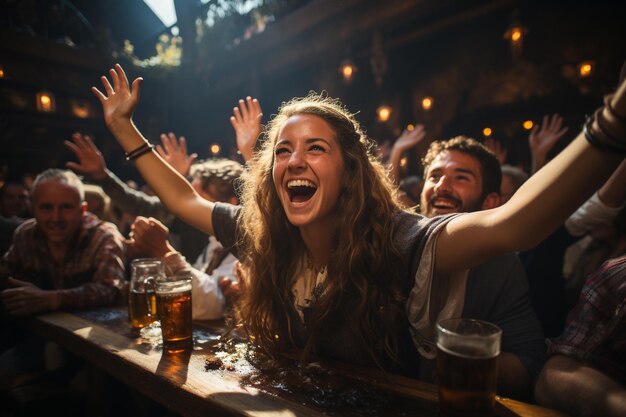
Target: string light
[
  {"x": 383, "y": 113},
  {"x": 46, "y": 102},
  {"x": 487, "y": 132},
  {"x": 347, "y": 70},
  {"x": 515, "y": 34},
  {"x": 585, "y": 69},
  {"x": 80, "y": 108},
  {"x": 427, "y": 103},
  {"x": 215, "y": 149},
  {"x": 528, "y": 124}
]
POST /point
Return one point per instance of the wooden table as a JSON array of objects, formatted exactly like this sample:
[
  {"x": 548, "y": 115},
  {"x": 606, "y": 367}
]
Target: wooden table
[{"x": 182, "y": 383}]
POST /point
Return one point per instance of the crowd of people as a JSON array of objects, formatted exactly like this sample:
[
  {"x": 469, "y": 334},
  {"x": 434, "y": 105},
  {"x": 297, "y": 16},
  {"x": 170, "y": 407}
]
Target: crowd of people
[{"x": 319, "y": 245}]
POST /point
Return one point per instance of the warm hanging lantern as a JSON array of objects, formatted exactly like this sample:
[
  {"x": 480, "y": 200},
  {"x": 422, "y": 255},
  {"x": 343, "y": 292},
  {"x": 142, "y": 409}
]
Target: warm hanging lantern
[
  {"x": 347, "y": 69},
  {"x": 215, "y": 149},
  {"x": 383, "y": 113},
  {"x": 46, "y": 102},
  {"x": 586, "y": 69},
  {"x": 515, "y": 34},
  {"x": 427, "y": 103},
  {"x": 80, "y": 108}
]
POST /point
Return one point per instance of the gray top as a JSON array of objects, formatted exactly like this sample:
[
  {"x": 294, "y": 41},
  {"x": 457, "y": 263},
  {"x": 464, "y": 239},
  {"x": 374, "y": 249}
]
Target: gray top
[{"x": 496, "y": 291}]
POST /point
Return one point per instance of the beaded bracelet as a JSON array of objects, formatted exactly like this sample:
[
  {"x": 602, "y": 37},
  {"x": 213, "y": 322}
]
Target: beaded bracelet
[{"x": 142, "y": 150}]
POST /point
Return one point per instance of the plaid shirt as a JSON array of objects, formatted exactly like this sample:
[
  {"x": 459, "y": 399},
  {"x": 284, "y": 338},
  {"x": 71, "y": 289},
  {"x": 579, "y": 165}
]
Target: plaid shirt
[
  {"x": 596, "y": 328},
  {"x": 91, "y": 274}
]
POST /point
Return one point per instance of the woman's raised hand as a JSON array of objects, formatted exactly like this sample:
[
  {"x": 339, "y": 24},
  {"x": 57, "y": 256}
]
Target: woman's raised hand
[{"x": 119, "y": 100}]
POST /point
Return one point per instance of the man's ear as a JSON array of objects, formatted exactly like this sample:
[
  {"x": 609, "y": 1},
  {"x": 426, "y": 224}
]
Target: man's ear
[
  {"x": 83, "y": 207},
  {"x": 491, "y": 201}
]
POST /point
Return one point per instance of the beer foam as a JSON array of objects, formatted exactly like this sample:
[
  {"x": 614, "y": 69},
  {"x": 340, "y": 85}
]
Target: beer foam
[
  {"x": 174, "y": 292},
  {"x": 470, "y": 349}
]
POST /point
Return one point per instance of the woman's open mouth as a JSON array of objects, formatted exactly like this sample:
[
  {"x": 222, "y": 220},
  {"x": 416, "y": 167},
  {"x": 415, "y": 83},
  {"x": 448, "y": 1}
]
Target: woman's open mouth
[{"x": 300, "y": 190}]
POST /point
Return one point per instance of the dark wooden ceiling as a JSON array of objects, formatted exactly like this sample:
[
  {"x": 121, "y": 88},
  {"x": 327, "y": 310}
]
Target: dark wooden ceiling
[{"x": 451, "y": 50}]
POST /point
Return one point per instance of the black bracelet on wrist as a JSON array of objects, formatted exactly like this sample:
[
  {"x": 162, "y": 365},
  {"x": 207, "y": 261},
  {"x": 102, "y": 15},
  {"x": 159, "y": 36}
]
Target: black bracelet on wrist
[
  {"x": 600, "y": 139},
  {"x": 140, "y": 152},
  {"x": 131, "y": 154}
]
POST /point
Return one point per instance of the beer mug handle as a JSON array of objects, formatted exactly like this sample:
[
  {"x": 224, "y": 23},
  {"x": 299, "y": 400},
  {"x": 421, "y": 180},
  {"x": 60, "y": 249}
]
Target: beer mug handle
[{"x": 150, "y": 287}]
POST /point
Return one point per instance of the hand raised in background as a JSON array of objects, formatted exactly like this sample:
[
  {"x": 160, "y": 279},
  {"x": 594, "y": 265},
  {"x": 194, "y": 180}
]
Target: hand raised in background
[
  {"x": 246, "y": 121},
  {"x": 497, "y": 149},
  {"x": 409, "y": 139},
  {"x": 543, "y": 138},
  {"x": 90, "y": 160},
  {"x": 174, "y": 151}
]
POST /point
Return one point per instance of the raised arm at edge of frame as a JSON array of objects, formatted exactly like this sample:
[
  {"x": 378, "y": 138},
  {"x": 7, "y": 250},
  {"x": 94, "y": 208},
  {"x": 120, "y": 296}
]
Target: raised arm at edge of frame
[{"x": 542, "y": 204}]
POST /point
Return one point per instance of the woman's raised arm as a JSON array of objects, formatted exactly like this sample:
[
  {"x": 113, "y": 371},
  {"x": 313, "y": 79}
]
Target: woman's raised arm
[
  {"x": 545, "y": 200},
  {"x": 118, "y": 104}
]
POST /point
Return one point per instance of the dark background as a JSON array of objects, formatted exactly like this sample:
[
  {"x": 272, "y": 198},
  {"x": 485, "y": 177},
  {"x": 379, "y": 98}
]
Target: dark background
[{"x": 453, "y": 51}]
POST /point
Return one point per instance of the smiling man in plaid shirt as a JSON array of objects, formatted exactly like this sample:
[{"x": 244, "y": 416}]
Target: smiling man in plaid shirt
[{"x": 64, "y": 258}]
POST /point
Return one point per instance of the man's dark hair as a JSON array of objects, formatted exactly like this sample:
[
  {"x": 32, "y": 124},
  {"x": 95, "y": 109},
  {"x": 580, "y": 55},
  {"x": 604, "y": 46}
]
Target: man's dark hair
[{"x": 489, "y": 165}]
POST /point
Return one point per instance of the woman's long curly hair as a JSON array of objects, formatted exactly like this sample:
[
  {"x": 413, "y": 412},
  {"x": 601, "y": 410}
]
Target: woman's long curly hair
[{"x": 364, "y": 272}]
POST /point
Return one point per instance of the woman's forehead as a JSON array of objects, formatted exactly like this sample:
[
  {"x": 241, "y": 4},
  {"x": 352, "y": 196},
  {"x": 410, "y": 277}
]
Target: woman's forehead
[{"x": 306, "y": 126}]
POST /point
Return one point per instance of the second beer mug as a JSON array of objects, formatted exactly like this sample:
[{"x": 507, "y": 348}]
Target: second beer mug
[
  {"x": 174, "y": 310},
  {"x": 141, "y": 298},
  {"x": 467, "y": 366}
]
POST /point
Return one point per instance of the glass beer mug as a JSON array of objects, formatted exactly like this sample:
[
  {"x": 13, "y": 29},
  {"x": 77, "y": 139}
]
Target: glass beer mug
[
  {"x": 467, "y": 366},
  {"x": 173, "y": 301},
  {"x": 142, "y": 308}
]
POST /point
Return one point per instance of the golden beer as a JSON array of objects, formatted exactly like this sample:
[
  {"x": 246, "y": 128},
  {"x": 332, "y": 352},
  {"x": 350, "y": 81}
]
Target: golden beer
[
  {"x": 467, "y": 366},
  {"x": 467, "y": 381},
  {"x": 141, "y": 308},
  {"x": 141, "y": 297},
  {"x": 174, "y": 310}
]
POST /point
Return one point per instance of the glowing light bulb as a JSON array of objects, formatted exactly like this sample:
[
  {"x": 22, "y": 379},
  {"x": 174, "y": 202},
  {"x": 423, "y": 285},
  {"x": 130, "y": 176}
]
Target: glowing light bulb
[
  {"x": 516, "y": 35},
  {"x": 427, "y": 103},
  {"x": 585, "y": 69},
  {"x": 384, "y": 113},
  {"x": 347, "y": 70},
  {"x": 45, "y": 102}
]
